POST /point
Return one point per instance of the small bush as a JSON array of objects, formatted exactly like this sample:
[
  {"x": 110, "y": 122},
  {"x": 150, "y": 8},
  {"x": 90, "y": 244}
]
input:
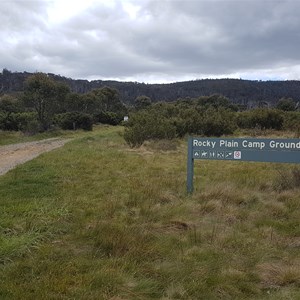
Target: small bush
[
  {"x": 189, "y": 121},
  {"x": 74, "y": 120},
  {"x": 165, "y": 121},
  {"x": 25, "y": 121},
  {"x": 145, "y": 125},
  {"x": 262, "y": 118},
  {"x": 208, "y": 122},
  {"x": 32, "y": 127},
  {"x": 217, "y": 122},
  {"x": 292, "y": 121},
  {"x": 286, "y": 104},
  {"x": 216, "y": 101},
  {"x": 107, "y": 117}
]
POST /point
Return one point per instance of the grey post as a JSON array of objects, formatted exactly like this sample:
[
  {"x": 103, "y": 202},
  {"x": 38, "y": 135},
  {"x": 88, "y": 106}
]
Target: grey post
[{"x": 190, "y": 166}]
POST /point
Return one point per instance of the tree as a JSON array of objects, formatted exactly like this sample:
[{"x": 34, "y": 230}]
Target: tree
[
  {"x": 286, "y": 104},
  {"x": 45, "y": 96},
  {"x": 142, "y": 102},
  {"x": 216, "y": 101},
  {"x": 108, "y": 99},
  {"x": 74, "y": 103}
]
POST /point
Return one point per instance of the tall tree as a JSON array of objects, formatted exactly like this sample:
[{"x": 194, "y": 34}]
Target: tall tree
[
  {"x": 142, "y": 102},
  {"x": 106, "y": 99},
  {"x": 45, "y": 96}
]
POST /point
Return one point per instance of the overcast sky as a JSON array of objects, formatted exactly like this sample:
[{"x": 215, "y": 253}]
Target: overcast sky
[{"x": 152, "y": 41}]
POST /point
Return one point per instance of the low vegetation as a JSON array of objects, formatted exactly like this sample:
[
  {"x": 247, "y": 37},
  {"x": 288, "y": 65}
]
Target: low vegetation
[
  {"x": 46, "y": 104},
  {"x": 97, "y": 219},
  {"x": 13, "y": 137},
  {"x": 205, "y": 116}
]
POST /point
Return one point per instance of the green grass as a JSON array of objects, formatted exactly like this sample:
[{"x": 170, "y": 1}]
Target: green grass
[
  {"x": 11, "y": 137},
  {"x": 98, "y": 220}
]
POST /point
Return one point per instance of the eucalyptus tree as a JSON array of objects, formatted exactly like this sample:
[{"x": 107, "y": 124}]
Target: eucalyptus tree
[{"x": 45, "y": 96}]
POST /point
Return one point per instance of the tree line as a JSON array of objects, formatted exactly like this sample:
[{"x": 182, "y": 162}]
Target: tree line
[
  {"x": 249, "y": 93},
  {"x": 46, "y": 103}
]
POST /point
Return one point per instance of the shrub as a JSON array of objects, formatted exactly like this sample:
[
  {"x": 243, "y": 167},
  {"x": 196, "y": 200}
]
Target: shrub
[
  {"x": 25, "y": 121},
  {"x": 107, "y": 117},
  {"x": 74, "y": 120},
  {"x": 8, "y": 122},
  {"x": 216, "y": 101},
  {"x": 286, "y": 104},
  {"x": 32, "y": 127},
  {"x": 146, "y": 125},
  {"x": 189, "y": 121},
  {"x": 217, "y": 122},
  {"x": 292, "y": 121},
  {"x": 29, "y": 123},
  {"x": 208, "y": 122},
  {"x": 142, "y": 102},
  {"x": 262, "y": 118}
]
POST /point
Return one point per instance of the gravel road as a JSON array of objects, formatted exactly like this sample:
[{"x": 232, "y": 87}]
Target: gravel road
[{"x": 15, "y": 154}]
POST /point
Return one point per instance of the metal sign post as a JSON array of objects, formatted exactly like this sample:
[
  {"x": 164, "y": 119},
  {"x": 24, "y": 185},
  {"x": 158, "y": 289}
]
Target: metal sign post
[
  {"x": 190, "y": 167},
  {"x": 241, "y": 149}
]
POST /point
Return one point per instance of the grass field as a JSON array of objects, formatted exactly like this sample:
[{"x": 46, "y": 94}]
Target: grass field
[
  {"x": 98, "y": 220},
  {"x": 11, "y": 137}
]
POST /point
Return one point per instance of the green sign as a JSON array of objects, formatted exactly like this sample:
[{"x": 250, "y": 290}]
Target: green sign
[{"x": 241, "y": 149}]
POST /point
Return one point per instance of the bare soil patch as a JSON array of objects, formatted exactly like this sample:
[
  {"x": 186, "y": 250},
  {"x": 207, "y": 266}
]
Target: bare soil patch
[{"x": 15, "y": 154}]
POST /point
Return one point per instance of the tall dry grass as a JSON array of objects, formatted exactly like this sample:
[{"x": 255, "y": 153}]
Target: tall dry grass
[{"x": 97, "y": 220}]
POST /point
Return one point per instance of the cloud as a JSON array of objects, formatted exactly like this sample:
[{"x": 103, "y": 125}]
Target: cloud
[{"x": 152, "y": 40}]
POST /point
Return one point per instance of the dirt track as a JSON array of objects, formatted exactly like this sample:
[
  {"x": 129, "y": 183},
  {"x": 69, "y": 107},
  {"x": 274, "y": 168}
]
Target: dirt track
[{"x": 15, "y": 154}]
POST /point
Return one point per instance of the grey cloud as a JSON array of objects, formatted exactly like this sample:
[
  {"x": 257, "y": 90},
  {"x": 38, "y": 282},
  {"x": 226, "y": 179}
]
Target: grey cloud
[
  {"x": 21, "y": 16},
  {"x": 167, "y": 38}
]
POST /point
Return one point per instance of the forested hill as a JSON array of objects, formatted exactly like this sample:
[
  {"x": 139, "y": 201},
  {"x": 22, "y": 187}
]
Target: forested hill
[{"x": 244, "y": 92}]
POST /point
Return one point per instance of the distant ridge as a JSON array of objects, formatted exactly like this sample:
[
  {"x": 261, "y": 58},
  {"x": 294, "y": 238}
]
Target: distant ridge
[{"x": 245, "y": 92}]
